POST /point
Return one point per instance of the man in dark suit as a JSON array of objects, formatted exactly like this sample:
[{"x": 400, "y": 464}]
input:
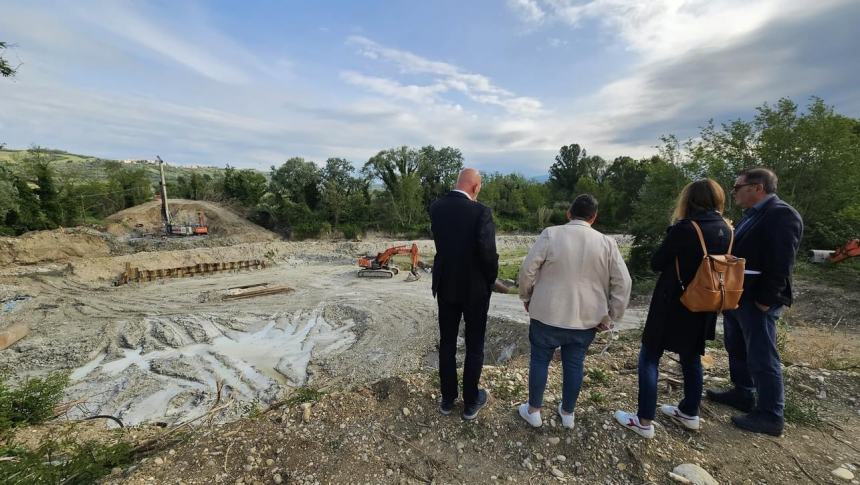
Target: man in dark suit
[
  {"x": 768, "y": 237},
  {"x": 464, "y": 272}
]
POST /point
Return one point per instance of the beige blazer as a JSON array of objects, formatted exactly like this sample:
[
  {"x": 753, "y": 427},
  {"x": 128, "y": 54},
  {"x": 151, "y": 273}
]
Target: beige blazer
[{"x": 574, "y": 277}]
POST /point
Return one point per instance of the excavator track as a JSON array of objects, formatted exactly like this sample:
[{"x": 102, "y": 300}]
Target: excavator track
[{"x": 375, "y": 273}]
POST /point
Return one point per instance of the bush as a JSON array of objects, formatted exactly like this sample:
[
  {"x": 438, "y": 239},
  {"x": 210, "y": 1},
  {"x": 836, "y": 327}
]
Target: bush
[
  {"x": 62, "y": 461},
  {"x": 57, "y": 459},
  {"x": 32, "y": 402},
  {"x": 351, "y": 232}
]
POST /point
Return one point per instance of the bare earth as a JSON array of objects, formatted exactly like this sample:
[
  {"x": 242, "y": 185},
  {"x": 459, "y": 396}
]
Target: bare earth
[{"x": 169, "y": 351}]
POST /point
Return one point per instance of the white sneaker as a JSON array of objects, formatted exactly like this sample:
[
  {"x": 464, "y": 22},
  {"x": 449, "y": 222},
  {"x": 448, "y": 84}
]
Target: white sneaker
[
  {"x": 631, "y": 422},
  {"x": 531, "y": 418},
  {"x": 566, "y": 419},
  {"x": 689, "y": 422}
]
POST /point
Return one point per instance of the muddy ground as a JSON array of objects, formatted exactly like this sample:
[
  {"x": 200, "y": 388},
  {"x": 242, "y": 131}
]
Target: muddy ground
[{"x": 168, "y": 351}]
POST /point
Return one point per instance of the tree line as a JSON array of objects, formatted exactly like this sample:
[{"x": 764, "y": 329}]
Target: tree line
[{"x": 815, "y": 152}]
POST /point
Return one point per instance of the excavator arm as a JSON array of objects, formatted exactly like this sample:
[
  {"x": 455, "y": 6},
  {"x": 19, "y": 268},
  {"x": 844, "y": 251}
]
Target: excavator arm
[{"x": 848, "y": 250}]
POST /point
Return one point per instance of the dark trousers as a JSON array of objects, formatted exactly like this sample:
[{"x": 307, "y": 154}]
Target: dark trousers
[
  {"x": 754, "y": 364},
  {"x": 474, "y": 313},
  {"x": 649, "y": 365}
]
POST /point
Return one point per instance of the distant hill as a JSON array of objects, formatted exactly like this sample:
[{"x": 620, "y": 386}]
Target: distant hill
[{"x": 88, "y": 167}]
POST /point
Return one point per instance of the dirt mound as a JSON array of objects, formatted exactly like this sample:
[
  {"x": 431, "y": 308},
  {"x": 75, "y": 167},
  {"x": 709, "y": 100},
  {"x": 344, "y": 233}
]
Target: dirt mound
[
  {"x": 146, "y": 219},
  {"x": 56, "y": 245}
]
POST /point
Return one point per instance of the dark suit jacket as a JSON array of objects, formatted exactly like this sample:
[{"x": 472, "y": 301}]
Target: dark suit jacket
[
  {"x": 466, "y": 263},
  {"x": 670, "y": 326},
  {"x": 769, "y": 243}
]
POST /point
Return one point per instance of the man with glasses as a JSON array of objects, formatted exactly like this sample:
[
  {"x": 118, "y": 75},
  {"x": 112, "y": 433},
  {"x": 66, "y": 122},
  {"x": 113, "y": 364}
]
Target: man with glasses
[{"x": 768, "y": 237}]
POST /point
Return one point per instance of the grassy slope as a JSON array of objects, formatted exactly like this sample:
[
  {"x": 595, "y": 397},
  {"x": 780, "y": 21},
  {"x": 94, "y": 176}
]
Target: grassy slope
[{"x": 93, "y": 168}]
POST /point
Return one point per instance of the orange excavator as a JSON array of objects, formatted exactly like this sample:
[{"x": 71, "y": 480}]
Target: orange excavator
[
  {"x": 847, "y": 250},
  {"x": 381, "y": 265}
]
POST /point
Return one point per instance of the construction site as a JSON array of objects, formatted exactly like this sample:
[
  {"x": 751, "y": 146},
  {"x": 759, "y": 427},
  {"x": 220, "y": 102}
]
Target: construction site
[{"x": 160, "y": 330}]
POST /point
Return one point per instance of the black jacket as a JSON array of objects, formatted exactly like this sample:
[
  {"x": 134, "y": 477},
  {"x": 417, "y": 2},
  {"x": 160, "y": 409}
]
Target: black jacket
[
  {"x": 466, "y": 263},
  {"x": 769, "y": 243},
  {"x": 670, "y": 326}
]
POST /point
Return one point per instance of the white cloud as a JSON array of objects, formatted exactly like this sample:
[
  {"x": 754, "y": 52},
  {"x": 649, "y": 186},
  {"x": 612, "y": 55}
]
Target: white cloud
[
  {"x": 476, "y": 87},
  {"x": 529, "y": 10},
  {"x": 419, "y": 94},
  {"x": 662, "y": 29}
]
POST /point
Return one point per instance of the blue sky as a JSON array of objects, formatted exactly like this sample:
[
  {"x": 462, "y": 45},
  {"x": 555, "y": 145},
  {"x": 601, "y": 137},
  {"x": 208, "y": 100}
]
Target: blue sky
[{"x": 507, "y": 82}]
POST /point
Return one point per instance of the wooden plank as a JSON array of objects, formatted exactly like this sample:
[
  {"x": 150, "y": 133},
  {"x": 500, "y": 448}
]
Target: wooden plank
[
  {"x": 256, "y": 293},
  {"x": 12, "y": 334},
  {"x": 244, "y": 287}
]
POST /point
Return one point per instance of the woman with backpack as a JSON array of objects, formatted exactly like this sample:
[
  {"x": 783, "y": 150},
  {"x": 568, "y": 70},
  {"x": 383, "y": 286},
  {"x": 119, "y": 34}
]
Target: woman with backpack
[{"x": 670, "y": 325}]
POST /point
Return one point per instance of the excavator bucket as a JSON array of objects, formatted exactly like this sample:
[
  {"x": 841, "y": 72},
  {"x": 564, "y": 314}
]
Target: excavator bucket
[{"x": 412, "y": 277}]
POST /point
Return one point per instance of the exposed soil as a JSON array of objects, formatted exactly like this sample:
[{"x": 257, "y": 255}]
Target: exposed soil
[{"x": 168, "y": 351}]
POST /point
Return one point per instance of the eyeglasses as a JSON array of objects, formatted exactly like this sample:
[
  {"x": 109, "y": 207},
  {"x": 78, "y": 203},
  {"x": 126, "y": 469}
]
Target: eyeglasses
[{"x": 740, "y": 186}]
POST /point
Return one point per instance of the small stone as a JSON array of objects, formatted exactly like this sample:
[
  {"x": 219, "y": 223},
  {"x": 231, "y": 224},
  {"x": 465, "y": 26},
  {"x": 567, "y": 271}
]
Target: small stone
[
  {"x": 554, "y": 440},
  {"x": 278, "y": 478},
  {"x": 556, "y": 472},
  {"x": 248, "y": 468},
  {"x": 158, "y": 461},
  {"x": 406, "y": 412},
  {"x": 389, "y": 472},
  {"x": 694, "y": 474},
  {"x": 843, "y": 473},
  {"x": 306, "y": 411},
  {"x": 561, "y": 458}
]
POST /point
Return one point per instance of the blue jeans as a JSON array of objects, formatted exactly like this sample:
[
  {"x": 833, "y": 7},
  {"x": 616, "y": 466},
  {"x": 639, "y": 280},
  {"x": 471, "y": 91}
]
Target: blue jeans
[
  {"x": 544, "y": 340},
  {"x": 649, "y": 365},
  {"x": 754, "y": 363}
]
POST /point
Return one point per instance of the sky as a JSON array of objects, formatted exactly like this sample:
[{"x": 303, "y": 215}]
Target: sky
[{"x": 254, "y": 83}]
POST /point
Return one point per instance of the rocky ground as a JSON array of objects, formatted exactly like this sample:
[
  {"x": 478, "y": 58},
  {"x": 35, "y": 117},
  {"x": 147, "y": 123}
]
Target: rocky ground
[{"x": 391, "y": 432}]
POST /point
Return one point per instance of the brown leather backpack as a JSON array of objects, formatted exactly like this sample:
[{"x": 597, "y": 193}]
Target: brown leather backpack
[{"x": 718, "y": 283}]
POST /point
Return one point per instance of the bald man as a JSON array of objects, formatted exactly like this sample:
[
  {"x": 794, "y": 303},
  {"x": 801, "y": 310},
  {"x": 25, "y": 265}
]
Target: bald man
[{"x": 464, "y": 273}]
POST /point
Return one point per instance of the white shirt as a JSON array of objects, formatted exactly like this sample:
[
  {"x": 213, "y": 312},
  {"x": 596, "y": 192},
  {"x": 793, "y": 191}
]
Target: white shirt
[{"x": 574, "y": 277}]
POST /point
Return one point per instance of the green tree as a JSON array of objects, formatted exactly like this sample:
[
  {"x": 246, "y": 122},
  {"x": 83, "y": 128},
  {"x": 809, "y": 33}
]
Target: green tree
[
  {"x": 625, "y": 177},
  {"x": 438, "y": 170},
  {"x": 6, "y": 70},
  {"x": 571, "y": 163},
  {"x": 336, "y": 187},
  {"x": 653, "y": 210},
  {"x": 128, "y": 186},
  {"x": 297, "y": 181},
  {"x": 8, "y": 199},
  {"x": 245, "y": 186},
  {"x": 403, "y": 196}
]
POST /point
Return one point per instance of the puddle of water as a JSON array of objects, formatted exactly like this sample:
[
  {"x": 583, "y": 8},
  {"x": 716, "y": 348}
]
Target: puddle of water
[
  {"x": 10, "y": 304},
  {"x": 181, "y": 382}
]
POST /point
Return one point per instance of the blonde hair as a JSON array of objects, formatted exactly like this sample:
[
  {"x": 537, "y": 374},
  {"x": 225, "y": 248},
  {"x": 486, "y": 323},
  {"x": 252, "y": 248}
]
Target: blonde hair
[{"x": 699, "y": 196}]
